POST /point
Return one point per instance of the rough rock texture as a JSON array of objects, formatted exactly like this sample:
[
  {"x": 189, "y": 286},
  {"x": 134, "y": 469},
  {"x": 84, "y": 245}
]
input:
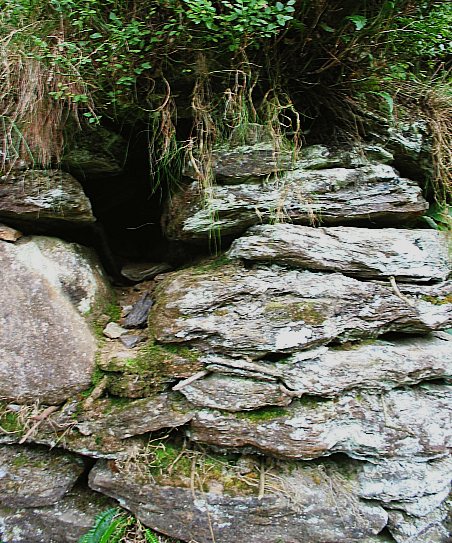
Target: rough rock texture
[
  {"x": 305, "y": 506},
  {"x": 429, "y": 529},
  {"x": 103, "y": 427},
  {"x": 95, "y": 153},
  {"x": 137, "y": 417},
  {"x": 319, "y": 157},
  {"x": 238, "y": 384},
  {"x": 46, "y": 348},
  {"x": 36, "y": 477},
  {"x": 63, "y": 522},
  {"x": 247, "y": 163},
  {"x": 271, "y": 309},
  {"x": 336, "y": 196},
  {"x": 234, "y": 393},
  {"x": 408, "y": 255},
  {"x": 412, "y": 486},
  {"x": 44, "y": 195},
  {"x": 410, "y": 424},
  {"x": 143, "y": 271},
  {"x": 147, "y": 368},
  {"x": 138, "y": 315}
]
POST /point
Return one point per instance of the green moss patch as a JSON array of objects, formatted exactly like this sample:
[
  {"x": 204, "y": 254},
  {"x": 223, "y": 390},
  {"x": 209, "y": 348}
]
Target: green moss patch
[
  {"x": 152, "y": 369},
  {"x": 438, "y": 300},
  {"x": 263, "y": 414},
  {"x": 172, "y": 465},
  {"x": 306, "y": 311}
]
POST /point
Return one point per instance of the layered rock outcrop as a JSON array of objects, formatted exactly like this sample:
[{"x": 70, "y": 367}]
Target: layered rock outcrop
[{"x": 295, "y": 390}]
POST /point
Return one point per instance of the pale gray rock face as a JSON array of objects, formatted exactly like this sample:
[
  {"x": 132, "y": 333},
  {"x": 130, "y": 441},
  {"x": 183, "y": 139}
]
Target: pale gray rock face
[
  {"x": 405, "y": 481},
  {"x": 36, "y": 477},
  {"x": 135, "y": 418},
  {"x": 304, "y": 506},
  {"x": 427, "y": 529},
  {"x": 410, "y": 424},
  {"x": 259, "y": 159},
  {"x": 271, "y": 309},
  {"x": 407, "y": 255},
  {"x": 114, "y": 331},
  {"x": 64, "y": 522},
  {"x": 414, "y": 493},
  {"x": 42, "y": 195},
  {"x": 237, "y": 384},
  {"x": 336, "y": 196},
  {"x": 47, "y": 349},
  {"x": 380, "y": 365}
]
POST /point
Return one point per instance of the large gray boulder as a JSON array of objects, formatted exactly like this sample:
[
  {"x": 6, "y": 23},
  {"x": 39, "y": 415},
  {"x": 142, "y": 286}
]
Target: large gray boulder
[
  {"x": 407, "y": 255},
  {"x": 234, "y": 310},
  {"x": 47, "y": 349},
  {"x": 44, "y": 195},
  {"x": 375, "y": 194}
]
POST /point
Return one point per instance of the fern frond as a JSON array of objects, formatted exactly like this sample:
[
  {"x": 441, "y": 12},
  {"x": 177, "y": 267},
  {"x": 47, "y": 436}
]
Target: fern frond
[
  {"x": 150, "y": 536},
  {"x": 104, "y": 527}
]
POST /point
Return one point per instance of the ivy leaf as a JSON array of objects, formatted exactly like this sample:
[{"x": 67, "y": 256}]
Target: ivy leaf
[
  {"x": 358, "y": 20},
  {"x": 327, "y": 28}
]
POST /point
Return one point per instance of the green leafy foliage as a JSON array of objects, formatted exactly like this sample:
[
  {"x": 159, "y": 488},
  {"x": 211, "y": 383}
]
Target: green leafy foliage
[
  {"x": 439, "y": 217},
  {"x": 113, "y": 526},
  {"x": 209, "y": 59},
  {"x": 108, "y": 528}
]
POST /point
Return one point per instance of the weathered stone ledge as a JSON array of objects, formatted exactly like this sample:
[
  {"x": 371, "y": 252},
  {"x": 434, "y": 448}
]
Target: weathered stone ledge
[
  {"x": 42, "y": 195},
  {"x": 401, "y": 424},
  {"x": 236, "y": 384},
  {"x": 374, "y": 194},
  {"x": 407, "y": 255},
  {"x": 269, "y": 309}
]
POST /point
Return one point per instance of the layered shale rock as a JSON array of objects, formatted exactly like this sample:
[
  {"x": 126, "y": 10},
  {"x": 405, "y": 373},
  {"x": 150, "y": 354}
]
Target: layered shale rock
[
  {"x": 47, "y": 350},
  {"x": 270, "y": 309},
  {"x": 44, "y": 195},
  {"x": 36, "y": 477},
  {"x": 405, "y": 424},
  {"x": 102, "y": 428},
  {"x": 301, "y": 506},
  {"x": 296, "y": 390},
  {"x": 373, "y": 193},
  {"x": 235, "y": 384},
  {"x": 407, "y": 255}
]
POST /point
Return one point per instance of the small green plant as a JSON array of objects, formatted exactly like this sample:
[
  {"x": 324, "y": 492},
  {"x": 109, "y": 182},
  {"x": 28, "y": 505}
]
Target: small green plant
[
  {"x": 439, "y": 217},
  {"x": 109, "y": 527},
  {"x": 114, "y": 526}
]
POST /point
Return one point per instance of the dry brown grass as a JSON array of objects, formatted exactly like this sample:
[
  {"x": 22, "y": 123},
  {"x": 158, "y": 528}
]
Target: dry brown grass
[{"x": 37, "y": 97}]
